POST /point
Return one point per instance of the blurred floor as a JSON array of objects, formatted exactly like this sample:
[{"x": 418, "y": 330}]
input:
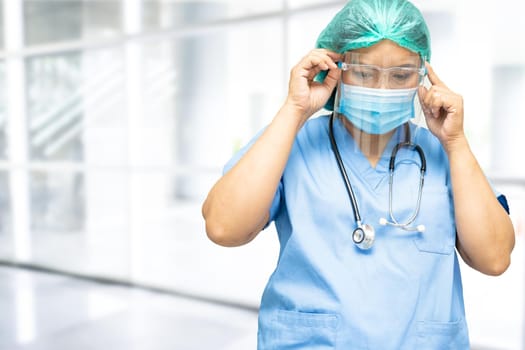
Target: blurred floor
[{"x": 41, "y": 311}]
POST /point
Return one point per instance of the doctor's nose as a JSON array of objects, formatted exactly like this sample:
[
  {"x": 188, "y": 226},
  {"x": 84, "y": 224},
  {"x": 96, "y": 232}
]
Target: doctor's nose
[{"x": 383, "y": 81}]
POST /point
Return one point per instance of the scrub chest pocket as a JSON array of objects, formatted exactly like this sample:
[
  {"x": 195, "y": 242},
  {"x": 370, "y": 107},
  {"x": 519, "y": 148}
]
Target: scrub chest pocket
[{"x": 440, "y": 236}]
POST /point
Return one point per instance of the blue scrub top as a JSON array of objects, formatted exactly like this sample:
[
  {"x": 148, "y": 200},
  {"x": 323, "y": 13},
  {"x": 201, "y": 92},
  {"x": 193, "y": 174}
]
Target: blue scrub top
[{"x": 326, "y": 293}]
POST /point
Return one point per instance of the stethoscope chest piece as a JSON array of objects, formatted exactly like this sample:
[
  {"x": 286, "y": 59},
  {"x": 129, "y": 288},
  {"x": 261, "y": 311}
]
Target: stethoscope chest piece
[{"x": 364, "y": 236}]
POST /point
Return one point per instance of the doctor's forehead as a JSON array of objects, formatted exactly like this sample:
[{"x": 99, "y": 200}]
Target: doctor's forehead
[{"x": 386, "y": 52}]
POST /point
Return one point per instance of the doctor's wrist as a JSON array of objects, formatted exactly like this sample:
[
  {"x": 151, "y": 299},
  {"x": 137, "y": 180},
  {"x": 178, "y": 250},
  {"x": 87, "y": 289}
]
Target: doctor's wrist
[
  {"x": 456, "y": 145},
  {"x": 294, "y": 114}
]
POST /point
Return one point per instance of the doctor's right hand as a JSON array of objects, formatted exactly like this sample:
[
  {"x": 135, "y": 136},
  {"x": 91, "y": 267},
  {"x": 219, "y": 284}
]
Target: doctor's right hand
[{"x": 305, "y": 95}]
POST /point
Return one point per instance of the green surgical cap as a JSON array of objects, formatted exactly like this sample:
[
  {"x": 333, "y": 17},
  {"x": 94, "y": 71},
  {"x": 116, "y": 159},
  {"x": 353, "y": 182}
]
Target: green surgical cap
[{"x": 363, "y": 23}]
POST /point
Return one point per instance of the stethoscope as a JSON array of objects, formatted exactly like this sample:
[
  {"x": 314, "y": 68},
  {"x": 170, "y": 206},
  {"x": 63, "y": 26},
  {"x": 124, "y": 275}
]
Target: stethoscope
[{"x": 364, "y": 234}]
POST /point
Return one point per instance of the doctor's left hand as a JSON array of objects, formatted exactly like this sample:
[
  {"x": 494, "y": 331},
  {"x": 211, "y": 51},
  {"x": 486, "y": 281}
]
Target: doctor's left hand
[{"x": 443, "y": 110}]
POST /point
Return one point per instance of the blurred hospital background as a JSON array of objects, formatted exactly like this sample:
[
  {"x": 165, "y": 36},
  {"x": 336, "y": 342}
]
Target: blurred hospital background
[{"x": 116, "y": 117}]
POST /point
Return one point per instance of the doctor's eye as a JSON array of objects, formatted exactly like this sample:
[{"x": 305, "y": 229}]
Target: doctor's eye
[
  {"x": 363, "y": 73},
  {"x": 402, "y": 76}
]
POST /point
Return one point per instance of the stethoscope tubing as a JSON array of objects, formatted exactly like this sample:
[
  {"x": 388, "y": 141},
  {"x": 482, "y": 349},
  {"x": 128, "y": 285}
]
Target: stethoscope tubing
[
  {"x": 423, "y": 168},
  {"x": 342, "y": 169},
  {"x": 350, "y": 191}
]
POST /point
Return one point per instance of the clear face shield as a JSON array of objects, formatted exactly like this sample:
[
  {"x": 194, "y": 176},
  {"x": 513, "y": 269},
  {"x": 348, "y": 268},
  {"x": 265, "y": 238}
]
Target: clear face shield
[{"x": 377, "y": 100}]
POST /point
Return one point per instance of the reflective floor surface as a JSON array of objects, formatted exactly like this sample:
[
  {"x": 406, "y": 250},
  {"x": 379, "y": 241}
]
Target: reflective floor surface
[{"x": 42, "y": 311}]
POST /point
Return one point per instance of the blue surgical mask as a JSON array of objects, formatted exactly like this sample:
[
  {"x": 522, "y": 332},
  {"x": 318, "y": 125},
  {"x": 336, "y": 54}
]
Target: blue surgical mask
[{"x": 376, "y": 111}]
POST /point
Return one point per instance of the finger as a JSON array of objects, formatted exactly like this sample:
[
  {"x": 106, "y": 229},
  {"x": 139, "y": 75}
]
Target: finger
[
  {"x": 312, "y": 73},
  {"x": 317, "y": 62},
  {"x": 306, "y": 69},
  {"x": 443, "y": 100},
  {"x": 332, "y": 54},
  {"x": 314, "y": 63},
  {"x": 432, "y": 100},
  {"x": 450, "y": 103},
  {"x": 331, "y": 79},
  {"x": 432, "y": 76},
  {"x": 327, "y": 57},
  {"x": 336, "y": 57}
]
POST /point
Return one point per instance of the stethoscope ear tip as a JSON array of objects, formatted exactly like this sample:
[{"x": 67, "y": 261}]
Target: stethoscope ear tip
[
  {"x": 383, "y": 222},
  {"x": 421, "y": 228}
]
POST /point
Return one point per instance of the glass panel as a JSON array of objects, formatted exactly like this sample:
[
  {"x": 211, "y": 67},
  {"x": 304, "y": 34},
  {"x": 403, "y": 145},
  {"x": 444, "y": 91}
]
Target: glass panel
[
  {"x": 159, "y": 14},
  {"x": 79, "y": 222},
  {"x": 66, "y": 20},
  {"x": 507, "y": 122},
  {"x": 176, "y": 253},
  {"x": 153, "y": 78},
  {"x": 76, "y": 107},
  {"x": 6, "y": 236},
  {"x": 3, "y": 111},
  {"x": 222, "y": 100},
  {"x": 51, "y": 83},
  {"x": 304, "y": 28},
  {"x": 219, "y": 102},
  {"x": 57, "y": 202},
  {"x": 293, "y": 4},
  {"x": 2, "y": 25}
]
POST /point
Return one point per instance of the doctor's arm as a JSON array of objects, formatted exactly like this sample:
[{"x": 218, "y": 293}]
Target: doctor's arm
[
  {"x": 238, "y": 205},
  {"x": 485, "y": 234}
]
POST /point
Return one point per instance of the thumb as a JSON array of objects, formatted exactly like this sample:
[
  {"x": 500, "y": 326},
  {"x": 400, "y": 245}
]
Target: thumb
[{"x": 332, "y": 78}]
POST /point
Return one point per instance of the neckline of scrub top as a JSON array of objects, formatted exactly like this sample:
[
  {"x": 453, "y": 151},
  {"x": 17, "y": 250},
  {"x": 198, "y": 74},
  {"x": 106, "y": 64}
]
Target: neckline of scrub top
[{"x": 349, "y": 150}]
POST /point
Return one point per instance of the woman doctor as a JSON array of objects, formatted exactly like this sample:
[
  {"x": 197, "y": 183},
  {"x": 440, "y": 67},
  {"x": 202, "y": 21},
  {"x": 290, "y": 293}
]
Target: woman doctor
[{"x": 395, "y": 284}]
